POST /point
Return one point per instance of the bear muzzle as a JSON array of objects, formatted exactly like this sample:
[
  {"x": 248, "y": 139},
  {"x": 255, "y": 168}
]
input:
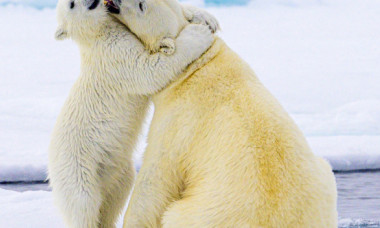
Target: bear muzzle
[{"x": 112, "y": 6}]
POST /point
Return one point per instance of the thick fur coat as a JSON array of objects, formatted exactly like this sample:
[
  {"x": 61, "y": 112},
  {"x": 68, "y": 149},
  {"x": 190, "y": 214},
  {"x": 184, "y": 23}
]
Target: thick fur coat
[
  {"x": 222, "y": 152},
  {"x": 147, "y": 17},
  {"x": 90, "y": 155}
]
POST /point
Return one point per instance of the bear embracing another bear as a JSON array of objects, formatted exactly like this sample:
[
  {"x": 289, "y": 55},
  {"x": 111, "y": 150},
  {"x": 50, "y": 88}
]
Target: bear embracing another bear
[
  {"x": 222, "y": 152},
  {"x": 90, "y": 156}
]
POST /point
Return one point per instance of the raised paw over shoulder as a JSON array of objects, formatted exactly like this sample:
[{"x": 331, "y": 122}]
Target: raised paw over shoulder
[
  {"x": 194, "y": 40},
  {"x": 199, "y": 16},
  {"x": 198, "y": 33}
]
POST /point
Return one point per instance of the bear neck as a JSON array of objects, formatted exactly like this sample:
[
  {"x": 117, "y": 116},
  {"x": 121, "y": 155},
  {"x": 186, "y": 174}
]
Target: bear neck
[
  {"x": 98, "y": 52},
  {"x": 87, "y": 39},
  {"x": 202, "y": 61}
]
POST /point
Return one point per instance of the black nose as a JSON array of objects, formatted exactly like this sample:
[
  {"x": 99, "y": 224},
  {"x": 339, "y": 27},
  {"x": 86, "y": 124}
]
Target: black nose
[
  {"x": 113, "y": 6},
  {"x": 94, "y": 4}
]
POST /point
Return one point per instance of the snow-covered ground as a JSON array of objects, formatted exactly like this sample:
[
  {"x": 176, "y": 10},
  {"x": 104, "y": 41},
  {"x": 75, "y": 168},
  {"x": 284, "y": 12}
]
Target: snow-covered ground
[
  {"x": 319, "y": 58},
  {"x": 34, "y": 209}
]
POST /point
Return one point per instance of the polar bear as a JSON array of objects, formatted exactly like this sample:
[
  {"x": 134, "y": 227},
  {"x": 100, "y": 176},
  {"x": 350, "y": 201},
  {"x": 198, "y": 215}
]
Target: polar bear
[
  {"x": 222, "y": 152},
  {"x": 90, "y": 164},
  {"x": 136, "y": 12}
]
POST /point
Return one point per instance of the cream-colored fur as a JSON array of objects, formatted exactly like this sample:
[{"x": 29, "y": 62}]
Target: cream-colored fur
[
  {"x": 90, "y": 166},
  {"x": 146, "y": 17},
  {"x": 222, "y": 152}
]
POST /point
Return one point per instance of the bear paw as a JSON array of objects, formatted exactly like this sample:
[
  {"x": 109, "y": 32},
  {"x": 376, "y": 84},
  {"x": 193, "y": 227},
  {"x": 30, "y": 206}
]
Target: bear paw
[{"x": 167, "y": 46}]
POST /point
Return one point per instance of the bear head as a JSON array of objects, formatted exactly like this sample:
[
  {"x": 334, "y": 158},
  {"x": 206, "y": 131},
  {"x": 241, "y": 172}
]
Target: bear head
[
  {"x": 80, "y": 20},
  {"x": 150, "y": 20}
]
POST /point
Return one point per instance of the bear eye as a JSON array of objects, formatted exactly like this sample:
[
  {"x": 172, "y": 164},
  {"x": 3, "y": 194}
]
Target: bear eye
[
  {"x": 141, "y": 6},
  {"x": 72, "y": 5}
]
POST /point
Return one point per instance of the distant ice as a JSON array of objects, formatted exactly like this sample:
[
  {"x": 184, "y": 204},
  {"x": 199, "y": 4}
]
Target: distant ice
[
  {"x": 319, "y": 58},
  {"x": 22, "y": 172},
  {"x": 348, "y": 153},
  {"x": 39, "y": 4}
]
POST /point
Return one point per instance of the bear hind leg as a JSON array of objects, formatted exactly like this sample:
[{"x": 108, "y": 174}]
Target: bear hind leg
[
  {"x": 79, "y": 203},
  {"x": 116, "y": 188}
]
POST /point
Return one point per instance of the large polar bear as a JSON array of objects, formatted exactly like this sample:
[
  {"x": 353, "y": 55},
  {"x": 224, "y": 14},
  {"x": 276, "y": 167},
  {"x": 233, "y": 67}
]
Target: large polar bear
[
  {"x": 90, "y": 165},
  {"x": 222, "y": 152}
]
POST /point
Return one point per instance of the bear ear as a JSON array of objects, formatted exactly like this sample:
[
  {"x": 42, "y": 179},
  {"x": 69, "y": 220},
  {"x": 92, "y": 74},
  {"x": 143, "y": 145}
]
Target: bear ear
[{"x": 61, "y": 34}]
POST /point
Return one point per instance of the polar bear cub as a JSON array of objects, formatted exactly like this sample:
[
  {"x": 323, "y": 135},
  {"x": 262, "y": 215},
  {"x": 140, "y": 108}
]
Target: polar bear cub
[{"x": 90, "y": 155}]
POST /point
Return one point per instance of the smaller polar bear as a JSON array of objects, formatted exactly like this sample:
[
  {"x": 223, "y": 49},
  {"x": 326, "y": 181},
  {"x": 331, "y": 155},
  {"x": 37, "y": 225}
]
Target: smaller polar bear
[
  {"x": 90, "y": 155},
  {"x": 222, "y": 152}
]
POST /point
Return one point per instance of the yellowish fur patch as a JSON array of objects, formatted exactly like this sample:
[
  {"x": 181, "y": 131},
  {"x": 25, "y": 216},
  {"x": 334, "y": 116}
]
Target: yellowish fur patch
[{"x": 222, "y": 152}]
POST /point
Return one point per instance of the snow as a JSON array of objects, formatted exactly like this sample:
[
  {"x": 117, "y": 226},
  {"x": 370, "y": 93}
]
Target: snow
[
  {"x": 319, "y": 58},
  {"x": 28, "y": 209},
  {"x": 34, "y": 3},
  {"x": 31, "y": 209},
  {"x": 36, "y": 209},
  {"x": 348, "y": 153}
]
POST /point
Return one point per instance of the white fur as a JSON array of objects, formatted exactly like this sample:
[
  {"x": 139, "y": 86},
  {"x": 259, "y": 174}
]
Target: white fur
[
  {"x": 90, "y": 166},
  {"x": 199, "y": 16},
  {"x": 147, "y": 24},
  {"x": 222, "y": 152}
]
